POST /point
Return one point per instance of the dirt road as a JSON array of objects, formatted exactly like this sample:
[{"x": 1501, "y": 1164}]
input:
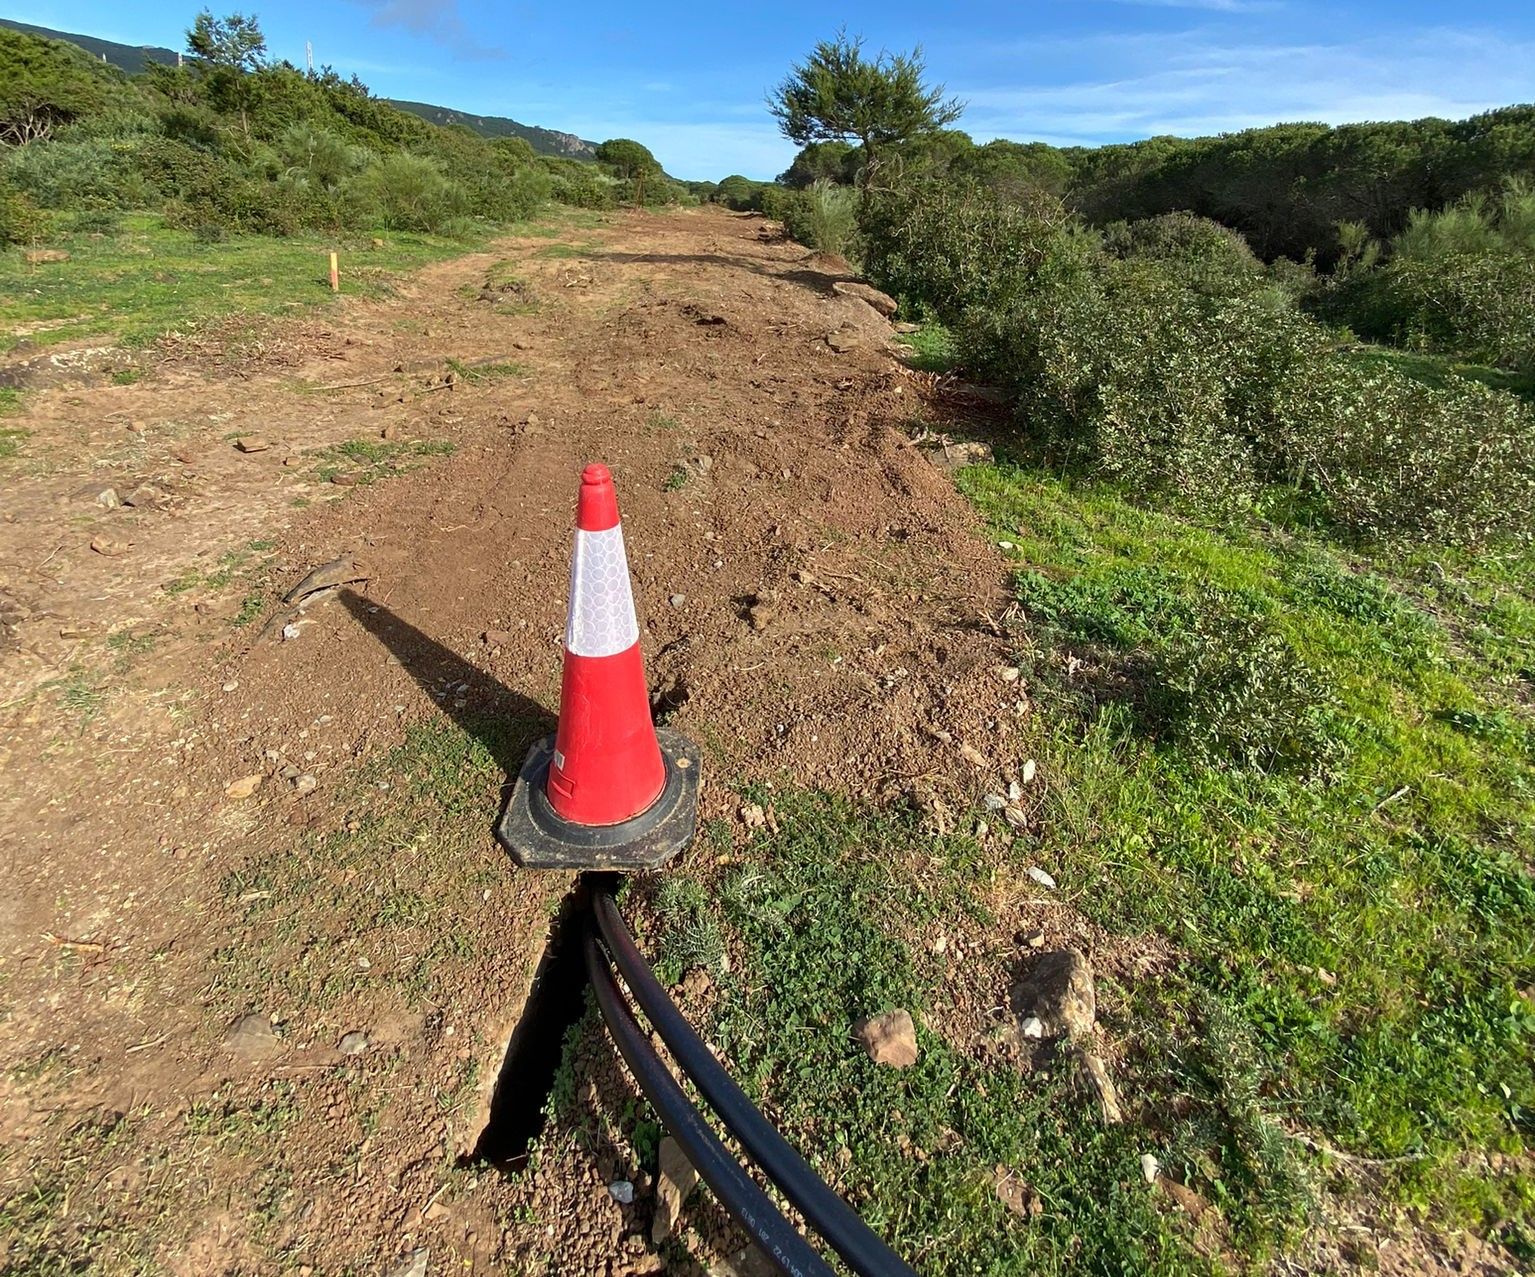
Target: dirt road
[{"x": 259, "y": 1033}]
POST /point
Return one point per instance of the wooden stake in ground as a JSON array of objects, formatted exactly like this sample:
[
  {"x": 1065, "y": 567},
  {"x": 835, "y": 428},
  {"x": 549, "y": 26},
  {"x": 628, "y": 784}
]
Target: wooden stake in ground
[{"x": 335, "y": 274}]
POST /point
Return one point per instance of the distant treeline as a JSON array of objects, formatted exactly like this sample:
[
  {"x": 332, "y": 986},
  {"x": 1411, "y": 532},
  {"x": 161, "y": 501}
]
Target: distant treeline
[
  {"x": 1285, "y": 188},
  {"x": 233, "y": 142}
]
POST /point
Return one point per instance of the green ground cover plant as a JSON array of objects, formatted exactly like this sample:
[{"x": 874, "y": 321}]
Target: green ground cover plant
[{"x": 155, "y": 279}]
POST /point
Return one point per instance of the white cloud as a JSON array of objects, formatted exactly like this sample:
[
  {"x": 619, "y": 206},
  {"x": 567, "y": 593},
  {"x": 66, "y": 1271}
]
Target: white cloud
[{"x": 1187, "y": 85}]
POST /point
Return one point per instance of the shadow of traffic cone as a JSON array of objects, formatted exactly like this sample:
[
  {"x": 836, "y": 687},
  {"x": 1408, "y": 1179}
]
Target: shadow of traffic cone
[{"x": 609, "y": 790}]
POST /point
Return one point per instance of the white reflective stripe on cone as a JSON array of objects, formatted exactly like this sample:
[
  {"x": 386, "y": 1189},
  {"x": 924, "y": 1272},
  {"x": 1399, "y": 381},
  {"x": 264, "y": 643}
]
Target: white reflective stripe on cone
[{"x": 601, "y": 617}]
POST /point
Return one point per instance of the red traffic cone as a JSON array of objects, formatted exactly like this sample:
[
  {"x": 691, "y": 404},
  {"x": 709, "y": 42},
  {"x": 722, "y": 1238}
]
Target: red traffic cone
[{"x": 609, "y": 789}]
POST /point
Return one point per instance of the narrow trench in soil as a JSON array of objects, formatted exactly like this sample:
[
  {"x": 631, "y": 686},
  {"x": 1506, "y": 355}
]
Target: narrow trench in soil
[{"x": 533, "y": 1055}]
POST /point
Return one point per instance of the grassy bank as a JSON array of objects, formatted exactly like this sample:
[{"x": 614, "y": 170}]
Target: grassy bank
[{"x": 1306, "y": 774}]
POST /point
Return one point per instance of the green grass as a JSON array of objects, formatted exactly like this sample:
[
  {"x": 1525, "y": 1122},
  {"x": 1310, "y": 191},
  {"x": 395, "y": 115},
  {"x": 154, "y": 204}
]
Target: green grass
[
  {"x": 10, "y": 436},
  {"x": 1367, "y": 911},
  {"x": 819, "y": 921},
  {"x": 369, "y": 460},
  {"x": 933, "y": 348},
  {"x": 676, "y": 480},
  {"x": 151, "y": 280},
  {"x": 1307, "y": 774},
  {"x": 561, "y": 251},
  {"x": 478, "y": 374},
  {"x": 374, "y": 888}
]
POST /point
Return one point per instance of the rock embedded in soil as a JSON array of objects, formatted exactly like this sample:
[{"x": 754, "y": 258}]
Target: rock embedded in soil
[
  {"x": 1058, "y": 989},
  {"x": 353, "y": 1043},
  {"x": 890, "y": 1038},
  {"x": 1103, "y": 1089},
  {"x": 412, "y": 1264},
  {"x": 676, "y": 1179},
  {"x": 342, "y": 571},
  {"x": 244, "y": 787},
  {"x": 109, "y": 548},
  {"x": 252, "y": 1037},
  {"x": 885, "y": 304},
  {"x": 252, "y": 443}
]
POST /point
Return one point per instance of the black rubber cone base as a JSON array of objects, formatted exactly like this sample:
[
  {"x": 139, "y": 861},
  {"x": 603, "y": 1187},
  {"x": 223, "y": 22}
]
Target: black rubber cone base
[{"x": 540, "y": 839}]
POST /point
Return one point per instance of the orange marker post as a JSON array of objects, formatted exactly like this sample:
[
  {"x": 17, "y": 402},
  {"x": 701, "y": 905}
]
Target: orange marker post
[{"x": 335, "y": 274}]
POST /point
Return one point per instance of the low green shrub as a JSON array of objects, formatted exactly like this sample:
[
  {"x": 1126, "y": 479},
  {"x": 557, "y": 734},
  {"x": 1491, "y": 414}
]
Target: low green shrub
[
  {"x": 410, "y": 193},
  {"x": 949, "y": 251},
  {"x": 68, "y": 175},
  {"x": 95, "y": 221},
  {"x": 1393, "y": 457},
  {"x": 1231, "y": 689},
  {"x": 1128, "y": 371},
  {"x": 21, "y": 221},
  {"x": 1203, "y": 254},
  {"x": 823, "y": 217}
]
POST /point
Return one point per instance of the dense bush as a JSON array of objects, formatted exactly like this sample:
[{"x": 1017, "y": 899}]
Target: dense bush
[
  {"x": 948, "y": 251},
  {"x": 256, "y": 147},
  {"x": 1205, "y": 255},
  {"x": 823, "y": 217},
  {"x": 69, "y": 174},
  {"x": 1480, "y": 307},
  {"x": 20, "y": 220},
  {"x": 1123, "y": 370},
  {"x": 409, "y": 193}
]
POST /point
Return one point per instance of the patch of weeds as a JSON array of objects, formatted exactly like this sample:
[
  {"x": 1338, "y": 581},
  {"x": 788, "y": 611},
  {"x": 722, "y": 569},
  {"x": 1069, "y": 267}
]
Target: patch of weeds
[
  {"x": 1232, "y": 688},
  {"x": 10, "y": 441},
  {"x": 188, "y": 580},
  {"x": 127, "y": 376},
  {"x": 479, "y": 374},
  {"x": 691, "y": 935},
  {"x": 10, "y": 401},
  {"x": 81, "y": 693},
  {"x": 561, "y": 251},
  {"x": 676, "y": 480},
  {"x": 369, "y": 460},
  {"x": 819, "y": 918},
  {"x": 933, "y": 348},
  {"x": 658, "y": 420},
  {"x": 250, "y": 608}
]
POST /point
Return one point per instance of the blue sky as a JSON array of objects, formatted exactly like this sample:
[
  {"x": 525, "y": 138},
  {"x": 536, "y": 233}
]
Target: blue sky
[{"x": 689, "y": 79}]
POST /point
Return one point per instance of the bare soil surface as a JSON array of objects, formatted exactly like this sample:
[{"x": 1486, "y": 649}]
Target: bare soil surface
[
  {"x": 260, "y": 955},
  {"x": 817, "y": 605}
]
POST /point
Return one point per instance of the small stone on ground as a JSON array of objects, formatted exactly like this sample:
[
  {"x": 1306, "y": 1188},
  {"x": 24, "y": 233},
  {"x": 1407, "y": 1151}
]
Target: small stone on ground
[{"x": 890, "y": 1039}]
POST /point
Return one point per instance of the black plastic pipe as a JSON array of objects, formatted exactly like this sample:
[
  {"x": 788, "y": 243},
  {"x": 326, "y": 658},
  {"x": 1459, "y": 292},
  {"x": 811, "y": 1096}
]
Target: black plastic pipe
[
  {"x": 736, "y": 1190},
  {"x": 825, "y": 1211}
]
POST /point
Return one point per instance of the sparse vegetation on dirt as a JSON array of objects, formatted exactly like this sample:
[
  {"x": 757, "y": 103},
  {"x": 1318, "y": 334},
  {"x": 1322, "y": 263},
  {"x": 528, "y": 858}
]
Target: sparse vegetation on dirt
[{"x": 1127, "y": 617}]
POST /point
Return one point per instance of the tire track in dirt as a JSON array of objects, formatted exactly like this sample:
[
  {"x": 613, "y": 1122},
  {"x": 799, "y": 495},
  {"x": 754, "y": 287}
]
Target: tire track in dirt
[{"x": 816, "y": 605}]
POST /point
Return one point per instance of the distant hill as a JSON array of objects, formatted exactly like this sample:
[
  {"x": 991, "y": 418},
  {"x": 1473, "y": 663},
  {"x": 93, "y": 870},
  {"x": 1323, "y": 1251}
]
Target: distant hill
[
  {"x": 543, "y": 141},
  {"x": 134, "y": 59}
]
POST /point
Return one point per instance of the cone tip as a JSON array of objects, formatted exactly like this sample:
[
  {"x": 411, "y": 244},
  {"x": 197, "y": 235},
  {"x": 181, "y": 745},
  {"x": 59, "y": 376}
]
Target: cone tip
[{"x": 597, "y": 502}]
